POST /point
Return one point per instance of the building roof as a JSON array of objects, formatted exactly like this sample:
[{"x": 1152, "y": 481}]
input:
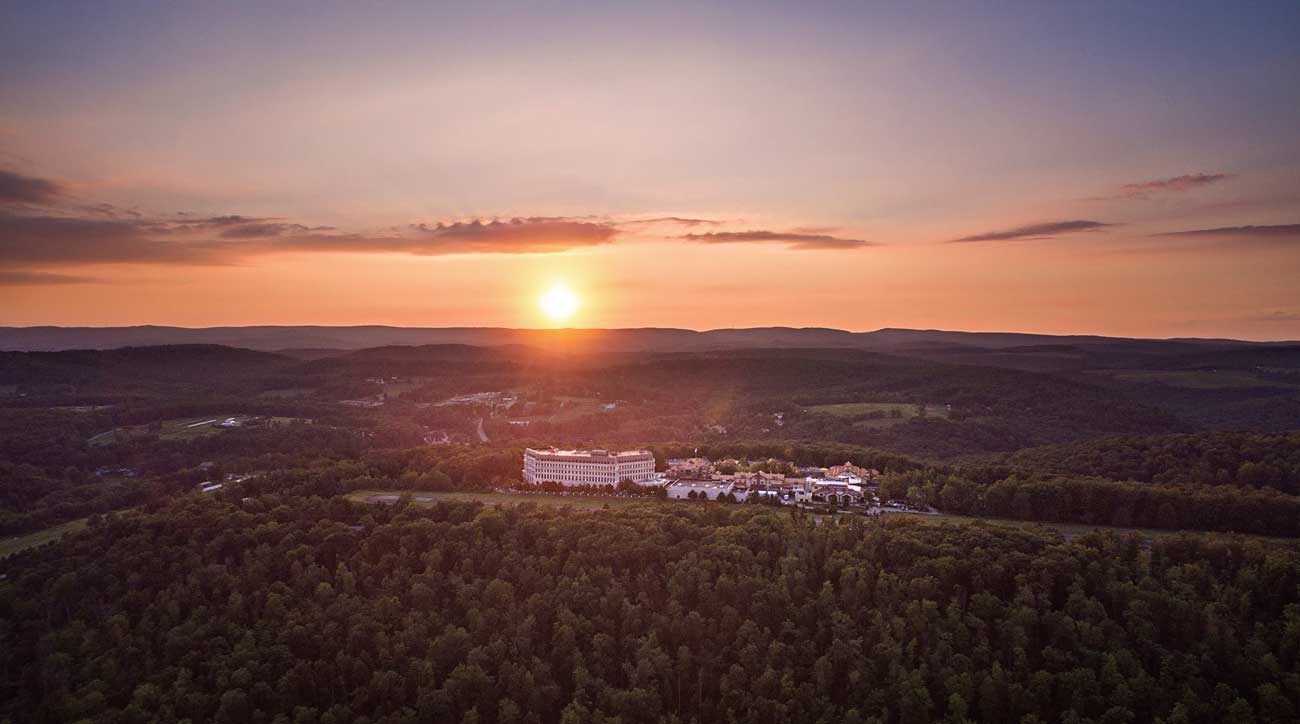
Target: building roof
[
  {"x": 695, "y": 483},
  {"x": 587, "y": 454}
]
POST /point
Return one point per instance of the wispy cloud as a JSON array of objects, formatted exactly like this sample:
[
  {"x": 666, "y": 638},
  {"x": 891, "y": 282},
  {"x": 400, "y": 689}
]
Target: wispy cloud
[
  {"x": 109, "y": 211},
  {"x": 53, "y": 240},
  {"x": 792, "y": 240},
  {"x": 518, "y": 235},
  {"x": 1273, "y": 233},
  {"x": 21, "y": 278},
  {"x": 234, "y": 226},
  {"x": 43, "y": 226},
  {"x": 679, "y": 220},
  {"x": 42, "y": 229},
  {"x": 1174, "y": 185},
  {"x": 267, "y": 229},
  {"x": 16, "y": 188},
  {"x": 66, "y": 240},
  {"x": 532, "y": 235},
  {"x": 1044, "y": 230},
  {"x": 1275, "y": 317}
]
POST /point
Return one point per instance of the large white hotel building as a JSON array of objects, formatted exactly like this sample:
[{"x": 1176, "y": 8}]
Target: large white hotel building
[{"x": 588, "y": 467}]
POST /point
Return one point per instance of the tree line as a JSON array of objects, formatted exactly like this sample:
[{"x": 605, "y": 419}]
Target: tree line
[
  {"x": 1255, "y": 459},
  {"x": 280, "y": 609}
]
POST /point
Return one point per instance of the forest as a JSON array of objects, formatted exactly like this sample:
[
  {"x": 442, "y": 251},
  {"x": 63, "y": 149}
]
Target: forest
[
  {"x": 1209, "y": 458},
  {"x": 274, "y": 598},
  {"x": 659, "y": 397},
  {"x": 1093, "y": 500},
  {"x": 291, "y": 609}
]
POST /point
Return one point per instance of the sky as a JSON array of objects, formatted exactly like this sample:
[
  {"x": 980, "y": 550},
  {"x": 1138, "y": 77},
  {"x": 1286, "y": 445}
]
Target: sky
[{"x": 1107, "y": 168}]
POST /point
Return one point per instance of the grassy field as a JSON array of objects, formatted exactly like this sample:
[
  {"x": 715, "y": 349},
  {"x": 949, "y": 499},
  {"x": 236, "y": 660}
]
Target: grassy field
[
  {"x": 192, "y": 427},
  {"x": 397, "y": 389},
  {"x": 857, "y": 409},
  {"x": 278, "y": 420},
  {"x": 564, "y": 409},
  {"x": 79, "y": 408},
  {"x": 1196, "y": 379},
  {"x": 1074, "y": 530},
  {"x": 596, "y": 502},
  {"x": 1069, "y": 530},
  {"x": 878, "y": 414},
  {"x": 104, "y": 438},
  {"x": 422, "y": 497},
  {"x": 287, "y": 393},
  {"x": 180, "y": 429},
  {"x": 118, "y": 434},
  {"x": 9, "y": 546},
  {"x": 572, "y": 408}
]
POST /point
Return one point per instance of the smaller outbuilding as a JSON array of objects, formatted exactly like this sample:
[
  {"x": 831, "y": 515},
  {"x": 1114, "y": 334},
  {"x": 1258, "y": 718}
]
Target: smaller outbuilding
[{"x": 693, "y": 489}]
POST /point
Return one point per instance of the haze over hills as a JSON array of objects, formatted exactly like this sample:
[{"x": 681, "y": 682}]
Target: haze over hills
[
  {"x": 275, "y": 338},
  {"x": 992, "y": 399}
]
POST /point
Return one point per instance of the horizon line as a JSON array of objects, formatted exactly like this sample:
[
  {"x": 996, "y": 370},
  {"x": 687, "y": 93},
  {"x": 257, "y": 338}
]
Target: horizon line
[{"x": 1094, "y": 335}]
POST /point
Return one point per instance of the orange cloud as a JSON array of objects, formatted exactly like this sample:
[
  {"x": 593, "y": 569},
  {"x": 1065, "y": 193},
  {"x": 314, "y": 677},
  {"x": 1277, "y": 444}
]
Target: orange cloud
[
  {"x": 19, "y": 278},
  {"x": 57, "y": 233},
  {"x": 793, "y": 240},
  {"x": 680, "y": 220}
]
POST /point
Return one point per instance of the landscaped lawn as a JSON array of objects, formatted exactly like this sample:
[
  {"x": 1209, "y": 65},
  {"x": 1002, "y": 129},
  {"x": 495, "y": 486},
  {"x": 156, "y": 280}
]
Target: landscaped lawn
[
  {"x": 186, "y": 428},
  {"x": 23, "y": 542},
  {"x": 593, "y": 502},
  {"x": 878, "y": 414},
  {"x": 597, "y": 502},
  {"x": 1196, "y": 379}
]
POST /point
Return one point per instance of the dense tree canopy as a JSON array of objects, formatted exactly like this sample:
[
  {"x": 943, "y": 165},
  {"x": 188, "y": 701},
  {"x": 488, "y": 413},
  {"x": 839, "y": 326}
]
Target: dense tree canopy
[
  {"x": 318, "y": 610},
  {"x": 1207, "y": 458},
  {"x": 277, "y": 600}
]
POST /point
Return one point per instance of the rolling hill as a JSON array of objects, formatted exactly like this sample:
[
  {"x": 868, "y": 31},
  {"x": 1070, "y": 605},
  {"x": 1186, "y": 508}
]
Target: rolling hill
[{"x": 273, "y": 338}]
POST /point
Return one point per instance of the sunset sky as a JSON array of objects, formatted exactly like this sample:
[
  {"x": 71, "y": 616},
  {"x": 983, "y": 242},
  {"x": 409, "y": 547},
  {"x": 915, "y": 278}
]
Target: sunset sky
[{"x": 1087, "y": 167}]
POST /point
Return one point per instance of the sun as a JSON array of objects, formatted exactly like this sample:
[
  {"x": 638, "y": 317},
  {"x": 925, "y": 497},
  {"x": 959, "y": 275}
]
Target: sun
[{"x": 559, "y": 303}]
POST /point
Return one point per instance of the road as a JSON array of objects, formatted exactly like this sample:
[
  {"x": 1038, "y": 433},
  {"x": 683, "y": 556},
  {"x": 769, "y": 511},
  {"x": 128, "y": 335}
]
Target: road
[{"x": 482, "y": 434}]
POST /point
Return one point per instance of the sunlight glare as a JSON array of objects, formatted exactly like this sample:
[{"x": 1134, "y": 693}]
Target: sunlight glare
[{"x": 559, "y": 303}]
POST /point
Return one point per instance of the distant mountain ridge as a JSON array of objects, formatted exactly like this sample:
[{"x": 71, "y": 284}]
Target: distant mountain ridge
[{"x": 647, "y": 339}]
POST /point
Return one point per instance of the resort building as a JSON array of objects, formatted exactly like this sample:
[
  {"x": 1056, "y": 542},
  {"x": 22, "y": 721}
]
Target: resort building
[
  {"x": 698, "y": 489},
  {"x": 838, "y": 493},
  {"x": 758, "y": 478},
  {"x": 588, "y": 467},
  {"x": 690, "y": 467},
  {"x": 848, "y": 469}
]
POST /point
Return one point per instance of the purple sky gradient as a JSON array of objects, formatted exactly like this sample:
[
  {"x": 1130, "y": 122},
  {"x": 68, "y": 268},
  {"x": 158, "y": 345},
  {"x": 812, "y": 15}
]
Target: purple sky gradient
[{"x": 836, "y": 149}]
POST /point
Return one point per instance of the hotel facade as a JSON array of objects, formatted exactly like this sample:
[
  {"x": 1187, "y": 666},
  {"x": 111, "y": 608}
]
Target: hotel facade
[{"x": 588, "y": 467}]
